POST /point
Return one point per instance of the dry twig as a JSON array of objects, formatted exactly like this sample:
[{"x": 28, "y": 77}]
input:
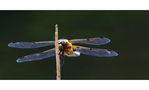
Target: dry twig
[{"x": 58, "y": 66}]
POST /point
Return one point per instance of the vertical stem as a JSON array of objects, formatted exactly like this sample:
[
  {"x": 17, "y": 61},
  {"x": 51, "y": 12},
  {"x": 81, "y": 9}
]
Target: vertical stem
[{"x": 58, "y": 67}]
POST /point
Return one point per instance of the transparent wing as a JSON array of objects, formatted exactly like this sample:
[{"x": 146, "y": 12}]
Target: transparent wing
[
  {"x": 30, "y": 44},
  {"x": 96, "y": 52},
  {"x": 91, "y": 41},
  {"x": 37, "y": 56}
]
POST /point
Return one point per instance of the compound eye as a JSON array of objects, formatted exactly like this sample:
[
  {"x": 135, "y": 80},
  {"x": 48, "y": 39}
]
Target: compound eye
[{"x": 63, "y": 43}]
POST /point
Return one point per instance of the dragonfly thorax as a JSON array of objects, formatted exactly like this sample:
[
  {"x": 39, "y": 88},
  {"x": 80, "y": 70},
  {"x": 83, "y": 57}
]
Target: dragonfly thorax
[{"x": 66, "y": 48}]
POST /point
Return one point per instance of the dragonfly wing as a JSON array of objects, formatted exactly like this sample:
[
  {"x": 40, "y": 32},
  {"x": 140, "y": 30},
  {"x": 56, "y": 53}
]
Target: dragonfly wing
[
  {"x": 37, "y": 56},
  {"x": 30, "y": 44},
  {"x": 91, "y": 41},
  {"x": 96, "y": 52}
]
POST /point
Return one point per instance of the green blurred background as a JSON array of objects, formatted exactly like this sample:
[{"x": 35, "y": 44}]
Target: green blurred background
[{"x": 128, "y": 31}]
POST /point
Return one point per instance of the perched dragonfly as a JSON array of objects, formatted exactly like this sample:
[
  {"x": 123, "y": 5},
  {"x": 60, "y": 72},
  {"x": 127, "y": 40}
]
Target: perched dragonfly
[{"x": 66, "y": 48}]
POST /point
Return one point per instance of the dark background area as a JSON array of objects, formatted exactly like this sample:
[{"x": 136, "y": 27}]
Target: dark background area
[{"x": 128, "y": 31}]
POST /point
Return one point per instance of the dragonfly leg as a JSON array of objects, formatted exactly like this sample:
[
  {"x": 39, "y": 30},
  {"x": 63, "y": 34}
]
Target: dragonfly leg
[{"x": 62, "y": 60}]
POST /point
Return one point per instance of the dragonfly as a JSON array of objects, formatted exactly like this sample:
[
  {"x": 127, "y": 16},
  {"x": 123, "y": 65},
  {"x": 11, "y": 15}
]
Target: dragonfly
[{"x": 68, "y": 48}]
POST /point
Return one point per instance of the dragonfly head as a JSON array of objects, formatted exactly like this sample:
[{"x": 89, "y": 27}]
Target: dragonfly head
[{"x": 63, "y": 42}]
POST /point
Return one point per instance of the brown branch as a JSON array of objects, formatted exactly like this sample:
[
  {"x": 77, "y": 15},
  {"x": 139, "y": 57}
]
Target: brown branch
[{"x": 58, "y": 66}]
